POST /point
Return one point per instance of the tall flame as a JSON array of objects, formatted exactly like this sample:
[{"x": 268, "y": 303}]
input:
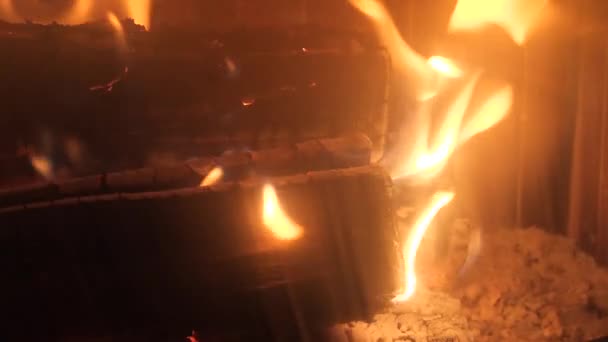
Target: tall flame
[
  {"x": 514, "y": 16},
  {"x": 410, "y": 249},
  {"x": 275, "y": 219},
  {"x": 423, "y": 150},
  {"x": 140, "y": 11}
]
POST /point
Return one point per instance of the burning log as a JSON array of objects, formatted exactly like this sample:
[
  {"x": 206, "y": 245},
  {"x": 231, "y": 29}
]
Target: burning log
[
  {"x": 187, "y": 98},
  {"x": 202, "y": 258},
  {"x": 312, "y": 155}
]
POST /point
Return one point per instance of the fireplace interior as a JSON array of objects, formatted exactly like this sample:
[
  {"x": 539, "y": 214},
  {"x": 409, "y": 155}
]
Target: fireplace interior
[{"x": 339, "y": 170}]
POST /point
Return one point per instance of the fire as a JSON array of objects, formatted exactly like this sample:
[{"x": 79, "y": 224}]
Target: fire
[
  {"x": 514, "y": 16},
  {"x": 140, "y": 11},
  {"x": 42, "y": 165},
  {"x": 214, "y": 176},
  {"x": 275, "y": 219},
  {"x": 119, "y": 31},
  {"x": 7, "y": 11},
  {"x": 79, "y": 13},
  {"x": 438, "y": 201},
  {"x": 425, "y": 148}
]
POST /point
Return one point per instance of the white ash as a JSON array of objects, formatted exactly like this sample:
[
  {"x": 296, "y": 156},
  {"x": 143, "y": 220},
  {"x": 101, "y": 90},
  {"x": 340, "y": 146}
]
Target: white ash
[
  {"x": 524, "y": 285},
  {"x": 429, "y": 316}
]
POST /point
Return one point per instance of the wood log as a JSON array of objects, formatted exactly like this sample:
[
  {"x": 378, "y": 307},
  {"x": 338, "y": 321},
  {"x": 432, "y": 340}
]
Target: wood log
[
  {"x": 174, "y": 88},
  {"x": 201, "y": 258},
  {"x": 313, "y": 155}
]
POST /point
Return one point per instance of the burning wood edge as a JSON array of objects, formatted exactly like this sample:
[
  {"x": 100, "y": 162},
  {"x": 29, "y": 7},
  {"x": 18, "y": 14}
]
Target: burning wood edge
[
  {"x": 313, "y": 155},
  {"x": 191, "y": 258}
]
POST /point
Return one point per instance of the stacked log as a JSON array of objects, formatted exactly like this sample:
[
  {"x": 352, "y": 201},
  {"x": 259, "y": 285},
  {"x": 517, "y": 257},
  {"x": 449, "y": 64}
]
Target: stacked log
[
  {"x": 312, "y": 155},
  {"x": 200, "y": 258},
  {"x": 187, "y": 93}
]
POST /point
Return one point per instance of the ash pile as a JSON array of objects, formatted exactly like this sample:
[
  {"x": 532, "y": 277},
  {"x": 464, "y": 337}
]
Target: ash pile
[{"x": 496, "y": 285}]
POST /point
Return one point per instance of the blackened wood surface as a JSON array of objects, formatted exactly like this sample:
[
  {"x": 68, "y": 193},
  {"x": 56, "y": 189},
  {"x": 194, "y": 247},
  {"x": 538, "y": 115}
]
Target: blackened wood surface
[
  {"x": 184, "y": 92},
  {"x": 169, "y": 262}
]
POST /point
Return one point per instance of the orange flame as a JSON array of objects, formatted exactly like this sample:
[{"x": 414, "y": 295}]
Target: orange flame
[
  {"x": 410, "y": 249},
  {"x": 79, "y": 13},
  {"x": 275, "y": 219},
  {"x": 119, "y": 31},
  {"x": 7, "y": 11},
  {"x": 140, "y": 11},
  {"x": 42, "y": 165},
  {"x": 406, "y": 62},
  {"x": 516, "y": 17},
  {"x": 421, "y": 158},
  {"x": 214, "y": 176}
]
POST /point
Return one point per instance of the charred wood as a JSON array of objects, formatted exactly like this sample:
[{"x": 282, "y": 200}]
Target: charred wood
[{"x": 201, "y": 258}]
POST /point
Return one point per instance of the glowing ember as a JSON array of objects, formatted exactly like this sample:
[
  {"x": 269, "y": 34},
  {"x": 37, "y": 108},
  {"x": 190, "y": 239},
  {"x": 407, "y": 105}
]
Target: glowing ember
[
  {"x": 214, "y": 176},
  {"x": 438, "y": 201},
  {"x": 275, "y": 219},
  {"x": 140, "y": 11},
  {"x": 514, "y": 16}
]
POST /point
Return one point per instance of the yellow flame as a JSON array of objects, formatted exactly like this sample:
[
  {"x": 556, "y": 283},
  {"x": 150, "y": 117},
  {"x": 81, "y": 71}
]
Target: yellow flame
[
  {"x": 492, "y": 111},
  {"x": 445, "y": 66},
  {"x": 406, "y": 62},
  {"x": 214, "y": 176},
  {"x": 140, "y": 11},
  {"x": 516, "y": 17},
  {"x": 275, "y": 219},
  {"x": 42, "y": 165},
  {"x": 410, "y": 248}
]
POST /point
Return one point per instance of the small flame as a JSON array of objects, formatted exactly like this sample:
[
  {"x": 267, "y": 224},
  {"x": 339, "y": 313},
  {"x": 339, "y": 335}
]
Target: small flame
[
  {"x": 444, "y": 66},
  {"x": 79, "y": 13},
  {"x": 140, "y": 11},
  {"x": 214, "y": 176},
  {"x": 410, "y": 248},
  {"x": 275, "y": 219},
  {"x": 42, "y": 165},
  {"x": 492, "y": 111},
  {"x": 515, "y": 16},
  {"x": 119, "y": 31}
]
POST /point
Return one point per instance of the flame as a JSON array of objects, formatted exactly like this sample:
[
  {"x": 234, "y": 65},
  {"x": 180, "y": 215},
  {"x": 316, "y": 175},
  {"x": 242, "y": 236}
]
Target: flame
[
  {"x": 7, "y": 11},
  {"x": 140, "y": 11},
  {"x": 438, "y": 201},
  {"x": 445, "y": 66},
  {"x": 516, "y": 17},
  {"x": 79, "y": 13},
  {"x": 214, "y": 176},
  {"x": 407, "y": 63},
  {"x": 119, "y": 31},
  {"x": 422, "y": 151},
  {"x": 42, "y": 165},
  {"x": 492, "y": 111},
  {"x": 275, "y": 219}
]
